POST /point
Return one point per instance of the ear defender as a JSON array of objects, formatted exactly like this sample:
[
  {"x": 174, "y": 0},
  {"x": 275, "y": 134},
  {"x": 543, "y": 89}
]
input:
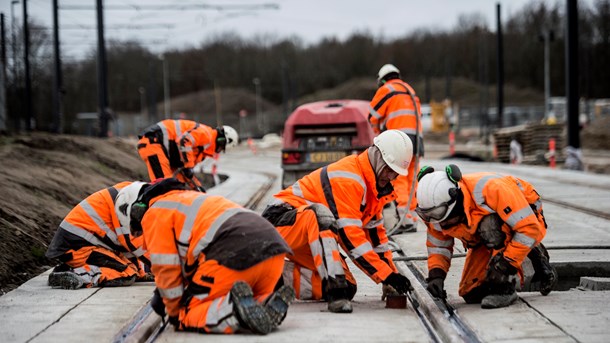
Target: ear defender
[
  {"x": 423, "y": 171},
  {"x": 453, "y": 173}
]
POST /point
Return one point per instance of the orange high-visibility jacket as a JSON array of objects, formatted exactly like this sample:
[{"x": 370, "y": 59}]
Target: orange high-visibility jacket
[
  {"x": 392, "y": 109},
  {"x": 197, "y": 144},
  {"x": 93, "y": 222},
  {"x": 514, "y": 200},
  {"x": 182, "y": 229},
  {"x": 348, "y": 188}
]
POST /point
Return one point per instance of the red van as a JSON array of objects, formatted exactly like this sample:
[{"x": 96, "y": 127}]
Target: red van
[{"x": 323, "y": 132}]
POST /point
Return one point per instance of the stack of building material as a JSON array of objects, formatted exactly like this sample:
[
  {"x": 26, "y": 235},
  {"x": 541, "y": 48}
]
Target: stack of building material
[{"x": 534, "y": 139}]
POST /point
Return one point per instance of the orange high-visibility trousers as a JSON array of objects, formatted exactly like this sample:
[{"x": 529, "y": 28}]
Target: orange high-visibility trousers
[
  {"x": 315, "y": 257},
  {"x": 212, "y": 312},
  {"x": 96, "y": 265},
  {"x": 155, "y": 158}
]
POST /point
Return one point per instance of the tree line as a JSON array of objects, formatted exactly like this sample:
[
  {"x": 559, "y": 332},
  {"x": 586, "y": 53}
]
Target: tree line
[{"x": 288, "y": 68}]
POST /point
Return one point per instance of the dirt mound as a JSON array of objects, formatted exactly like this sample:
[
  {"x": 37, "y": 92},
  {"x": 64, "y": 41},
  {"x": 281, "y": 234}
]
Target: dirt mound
[{"x": 42, "y": 177}]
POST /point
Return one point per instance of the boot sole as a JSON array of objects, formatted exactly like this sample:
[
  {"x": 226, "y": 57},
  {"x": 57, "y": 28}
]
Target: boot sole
[
  {"x": 487, "y": 305},
  {"x": 278, "y": 303},
  {"x": 251, "y": 312},
  {"x": 65, "y": 280}
]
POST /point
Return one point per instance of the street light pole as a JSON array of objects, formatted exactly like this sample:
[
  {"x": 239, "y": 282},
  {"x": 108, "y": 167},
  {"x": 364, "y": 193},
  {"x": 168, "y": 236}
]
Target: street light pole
[
  {"x": 16, "y": 121},
  {"x": 259, "y": 119},
  {"x": 166, "y": 100}
]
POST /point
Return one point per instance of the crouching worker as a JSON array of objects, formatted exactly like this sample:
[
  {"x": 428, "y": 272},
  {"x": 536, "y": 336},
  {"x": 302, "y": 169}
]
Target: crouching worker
[
  {"x": 215, "y": 263},
  {"x": 341, "y": 204},
  {"x": 93, "y": 248},
  {"x": 499, "y": 220}
]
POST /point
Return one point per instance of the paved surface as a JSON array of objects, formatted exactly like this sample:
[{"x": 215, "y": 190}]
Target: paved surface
[{"x": 36, "y": 313}]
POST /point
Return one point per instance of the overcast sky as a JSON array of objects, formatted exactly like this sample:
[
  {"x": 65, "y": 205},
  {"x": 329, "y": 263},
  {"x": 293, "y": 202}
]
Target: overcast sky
[{"x": 309, "y": 19}]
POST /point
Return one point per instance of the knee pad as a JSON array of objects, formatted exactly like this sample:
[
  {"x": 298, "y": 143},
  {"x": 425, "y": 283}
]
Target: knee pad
[{"x": 490, "y": 230}]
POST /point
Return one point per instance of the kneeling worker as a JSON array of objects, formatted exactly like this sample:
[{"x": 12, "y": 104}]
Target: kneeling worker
[
  {"x": 93, "y": 248},
  {"x": 341, "y": 204},
  {"x": 498, "y": 218},
  {"x": 215, "y": 263}
]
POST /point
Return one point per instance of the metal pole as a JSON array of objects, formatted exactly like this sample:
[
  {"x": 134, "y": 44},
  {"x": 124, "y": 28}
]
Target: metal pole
[
  {"x": 14, "y": 114},
  {"x": 57, "y": 76},
  {"x": 547, "y": 73},
  {"x": 500, "y": 67},
  {"x": 102, "y": 85},
  {"x": 166, "y": 97},
  {"x": 574, "y": 157},
  {"x": 2, "y": 75},
  {"x": 259, "y": 119},
  {"x": 28, "y": 80}
]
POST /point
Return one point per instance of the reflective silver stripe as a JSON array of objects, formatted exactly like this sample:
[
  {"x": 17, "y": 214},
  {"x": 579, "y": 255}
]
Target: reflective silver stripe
[
  {"x": 440, "y": 243},
  {"x": 374, "y": 113},
  {"x": 524, "y": 239},
  {"x": 437, "y": 227},
  {"x": 220, "y": 316},
  {"x": 372, "y": 224},
  {"x": 165, "y": 136},
  {"x": 538, "y": 205},
  {"x": 518, "y": 216},
  {"x": 206, "y": 146},
  {"x": 317, "y": 251},
  {"x": 178, "y": 128},
  {"x": 288, "y": 273},
  {"x": 171, "y": 293},
  {"x": 361, "y": 250},
  {"x": 348, "y": 175},
  {"x": 401, "y": 113},
  {"x": 84, "y": 234},
  {"x": 92, "y": 213},
  {"x": 344, "y": 222},
  {"x": 409, "y": 131},
  {"x": 128, "y": 254},
  {"x": 390, "y": 87},
  {"x": 214, "y": 227},
  {"x": 335, "y": 268},
  {"x": 139, "y": 252},
  {"x": 122, "y": 230},
  {"x": 441, "y": 251},
  {"x": 212, "y": 316},
  {"x": 186, "y": 149},
  {"x": 201, "y": 296},
  {"x": 306, "y": 291},
  {"x": 165, "y": 259},
  {"x": 381, "y": 248},
  {"x": 296, "y": 190},
  {"x": 478, "y": 191},
  {"x": 520, "y": 185}
]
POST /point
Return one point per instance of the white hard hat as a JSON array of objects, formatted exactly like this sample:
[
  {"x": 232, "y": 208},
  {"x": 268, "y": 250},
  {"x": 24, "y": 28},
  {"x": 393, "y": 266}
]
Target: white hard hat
[
  {"x": 436, "y": 196},
  {"x": 125, "y": 199},
  {"x": 385, "y": 70},
  {"x": 231, "y": 136},
  {"x": 396, "y": 150}
]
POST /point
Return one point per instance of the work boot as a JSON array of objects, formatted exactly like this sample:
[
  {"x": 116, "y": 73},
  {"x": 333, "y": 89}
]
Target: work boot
[
  {"x": 543, "y": 270},
  {"x": 277, "y": 304},
  {"x": 124, "y": 281},
  {"x": 65, "y": 280},
  {"x": 250, "y": 314},
  {"x": 498, "y": 300},
  {"x": 338, "y": 300}
]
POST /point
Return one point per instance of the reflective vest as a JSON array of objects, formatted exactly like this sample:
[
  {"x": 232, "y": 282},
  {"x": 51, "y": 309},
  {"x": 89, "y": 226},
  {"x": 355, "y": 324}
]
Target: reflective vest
[
  {"x": 392, "y": 108},
  {"x": 184, "y": 228},
  {"x": 93, "y": 222},
  {"x": 348, "y": 188},
  {"x": 197, "y": 144},
  {"x": 514, "y": 200}
]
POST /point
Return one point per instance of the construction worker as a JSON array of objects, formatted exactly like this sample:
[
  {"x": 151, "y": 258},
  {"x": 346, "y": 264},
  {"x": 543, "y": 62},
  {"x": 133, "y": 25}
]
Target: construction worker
[
  {"x": 396, "y": 107},
  {"x": 172, "y": 148},
  {"x": 215, "y": 263},
  {"x": 341, "y": 204},
  {"x": 499, "y": 220},
  {"x": 93, "y": 248}
]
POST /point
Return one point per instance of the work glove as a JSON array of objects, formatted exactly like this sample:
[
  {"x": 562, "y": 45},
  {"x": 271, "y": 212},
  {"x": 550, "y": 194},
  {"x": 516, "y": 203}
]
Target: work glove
[
  {"x": 401, "y": 284},
  {"x": 386, "y": 291},
  {"x": 500, "y": 270},
  {"x": 188, "y": 173},
  {"x": 436, "y": 283},
  {"x": 157, "y": 303}
]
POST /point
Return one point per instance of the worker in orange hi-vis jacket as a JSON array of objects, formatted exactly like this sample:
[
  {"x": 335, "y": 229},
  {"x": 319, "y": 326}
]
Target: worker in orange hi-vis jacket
[
  {"x": 395, "y": 106},
  {"x": 215, "y": 263},
  {"x": 341, "y": 204},
  {"x": 499, "y": 220},
  {"x": 93, "y": 248},
  {"x": 172, "y": 148}
]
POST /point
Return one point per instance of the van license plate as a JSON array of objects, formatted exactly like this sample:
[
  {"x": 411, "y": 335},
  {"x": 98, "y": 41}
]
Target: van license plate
[{"x": 322, "y": 157}]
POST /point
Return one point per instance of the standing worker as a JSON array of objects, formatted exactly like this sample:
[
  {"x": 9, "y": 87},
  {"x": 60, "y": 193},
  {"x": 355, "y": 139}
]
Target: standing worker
[
  {"x": 396, "y": 107},
  {"x": 215, "y": 263},
  {"x": 93, "y": 248},
  {"x": 342, "y": 203},
  {"x": 176, "y": 146},
  {"x": 499, "y": 220}
]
